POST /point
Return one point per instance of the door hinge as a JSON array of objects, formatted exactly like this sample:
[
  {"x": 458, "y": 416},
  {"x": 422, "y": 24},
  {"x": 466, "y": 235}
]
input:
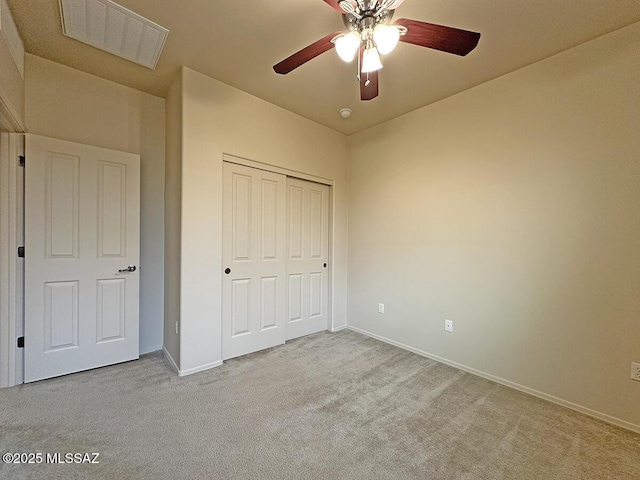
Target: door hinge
[
  {"x": 21, "y": 160},
  {"x": 20, "y": 342},
  {"x": 20, "y": 252}
]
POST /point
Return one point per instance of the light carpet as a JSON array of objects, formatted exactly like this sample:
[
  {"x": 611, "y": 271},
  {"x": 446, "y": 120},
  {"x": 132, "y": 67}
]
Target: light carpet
[{"x": 327, "y": 406}]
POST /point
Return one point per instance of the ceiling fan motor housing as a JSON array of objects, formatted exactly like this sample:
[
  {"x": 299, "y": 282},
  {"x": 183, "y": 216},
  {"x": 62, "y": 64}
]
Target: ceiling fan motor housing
[{"x": 368, "y": 20}]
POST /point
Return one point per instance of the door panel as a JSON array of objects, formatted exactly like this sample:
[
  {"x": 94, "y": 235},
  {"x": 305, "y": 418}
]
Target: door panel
[
  {"x": 317, "y": 235},
  {"x": 269, "y": 233},
  {"x": 61, "y": 315},
  {"x": 81, "y": 227},
  {"x": 254, "y": 225},
  {"x": 296, "y": 212},
  {"x": 295, "y": 297},
  {"x": 111, "y": 310},
  {"x": 307, "y": 260},
  {"x": 241, "y": 306},
  {"x": 241, "y": 226},
  {"x": 268, "y": 303},
  {"x": 62, "y": 205},
  {"x": 315, "y": 294},
  {"x": 112, "y": 202}
]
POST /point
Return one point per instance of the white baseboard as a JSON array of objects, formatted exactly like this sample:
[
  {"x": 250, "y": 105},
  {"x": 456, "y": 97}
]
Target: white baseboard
[
  {"x": 337, "y": 329},
  {"x": 155, "y": 348},
  {"x": 189, "y": 371},
  {"x": 200, "y": 368},
  {"x": 545, "y": 396}
]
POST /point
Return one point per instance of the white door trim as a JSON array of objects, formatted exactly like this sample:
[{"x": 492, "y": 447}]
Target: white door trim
[
  {"x": 274, "y": 169},
  {"x": 229, "y": 158},
  {"x": 11, "y": 267},
  {"x": 8, "y": 121}
]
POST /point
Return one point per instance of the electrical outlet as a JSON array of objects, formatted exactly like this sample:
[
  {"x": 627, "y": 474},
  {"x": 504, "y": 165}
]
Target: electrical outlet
[
  {"x": 381, "y": 308},
  {"x": 176, "y": 327},
  {"x": 448, "y": 326},
  {"x": 635, "y": 371}
]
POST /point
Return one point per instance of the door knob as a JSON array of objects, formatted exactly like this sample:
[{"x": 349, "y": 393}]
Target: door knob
[
  {"x": 130, "y": 268},
  {"x": 227, "y": 271},
  {"x": 325, "y": 265}
]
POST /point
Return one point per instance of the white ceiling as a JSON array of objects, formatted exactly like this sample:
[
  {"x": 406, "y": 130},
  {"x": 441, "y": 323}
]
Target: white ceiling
[{"x": 238, "y": 42}]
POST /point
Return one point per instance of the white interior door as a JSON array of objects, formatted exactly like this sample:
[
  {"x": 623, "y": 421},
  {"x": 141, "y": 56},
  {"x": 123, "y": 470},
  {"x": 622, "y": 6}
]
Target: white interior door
[
  {"x": 307, "y": 257},
  {"x": 254, "y": 225},
  {"x": 82, "y": 209}
]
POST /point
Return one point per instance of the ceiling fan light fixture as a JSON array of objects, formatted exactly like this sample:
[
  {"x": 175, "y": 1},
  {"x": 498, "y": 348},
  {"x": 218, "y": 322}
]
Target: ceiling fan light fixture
[
  {"x": 370, "y": 34},
  {"x": 386, "y": 37},
  {"x": 347, "y": 46},
  {"x": 371, "y": 60}
]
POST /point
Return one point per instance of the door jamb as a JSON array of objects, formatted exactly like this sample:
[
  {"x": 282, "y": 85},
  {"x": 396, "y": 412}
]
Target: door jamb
[
  {"x": 12, "y": 284},
  {"x": 274, "y": 169}
]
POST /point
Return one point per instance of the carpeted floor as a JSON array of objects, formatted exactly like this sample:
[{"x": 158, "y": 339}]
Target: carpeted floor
[{"x": 327, "y": 406}]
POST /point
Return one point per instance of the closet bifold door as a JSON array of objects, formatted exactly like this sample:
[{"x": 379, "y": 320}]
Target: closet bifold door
[
  {"x": 254, "y": 262},
  {"x": 307, "y": 257}
]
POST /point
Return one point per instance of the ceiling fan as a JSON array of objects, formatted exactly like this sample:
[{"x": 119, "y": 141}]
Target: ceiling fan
[{"x": 371, "y": 34}]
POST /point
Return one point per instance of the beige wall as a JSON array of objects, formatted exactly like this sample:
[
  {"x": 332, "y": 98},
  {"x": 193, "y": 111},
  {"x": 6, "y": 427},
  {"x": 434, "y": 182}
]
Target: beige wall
[
  {"x": 173, "y": 192},
  {"x": 71, "y": 105},
  {"x": 220, "y": 119},
  {"x": 512, "y": 209}
]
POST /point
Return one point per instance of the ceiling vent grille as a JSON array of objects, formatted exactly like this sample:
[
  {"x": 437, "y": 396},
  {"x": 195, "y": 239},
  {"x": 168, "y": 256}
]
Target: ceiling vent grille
[{"x": 110, "y": 27}]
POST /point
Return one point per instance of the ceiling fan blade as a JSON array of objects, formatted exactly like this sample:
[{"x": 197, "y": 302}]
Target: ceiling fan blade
[
  {"x": 446, "y": 39},
  {"x": 368, "y": 85},
  {"x": 335, "y": 4},
  {"x": 303, "y": 56}
]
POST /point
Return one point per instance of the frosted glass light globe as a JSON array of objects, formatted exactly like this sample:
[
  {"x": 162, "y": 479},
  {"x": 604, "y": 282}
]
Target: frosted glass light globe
[
  {"x": 371, "y": 60},
  {"x": 386, "y": 38},
  {"x": 347, "y": 45}
]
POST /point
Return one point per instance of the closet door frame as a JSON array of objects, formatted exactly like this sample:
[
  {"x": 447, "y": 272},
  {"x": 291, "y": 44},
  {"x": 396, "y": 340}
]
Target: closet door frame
[{"x": 311, "y": 178}]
